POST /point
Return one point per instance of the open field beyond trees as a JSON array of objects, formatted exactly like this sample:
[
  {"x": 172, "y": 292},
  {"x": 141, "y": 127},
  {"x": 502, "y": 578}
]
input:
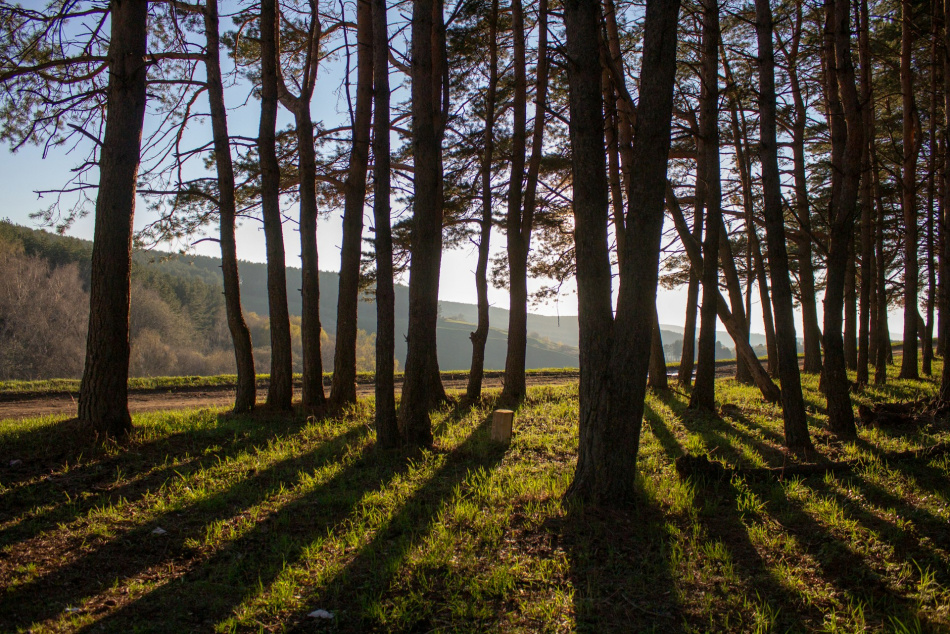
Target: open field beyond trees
[{"x": 265, "y": 519}]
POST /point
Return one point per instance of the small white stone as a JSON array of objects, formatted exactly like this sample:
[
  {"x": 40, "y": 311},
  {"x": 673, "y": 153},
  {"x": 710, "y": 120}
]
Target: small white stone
[
  {"x": 159, "y": 531},
  {"x": 320, "y": 614},
  {"x": 14, "y": 463}
]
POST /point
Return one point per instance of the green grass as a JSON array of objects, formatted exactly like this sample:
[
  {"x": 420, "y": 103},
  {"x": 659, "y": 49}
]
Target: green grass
[{"x": 268, "y": 519}]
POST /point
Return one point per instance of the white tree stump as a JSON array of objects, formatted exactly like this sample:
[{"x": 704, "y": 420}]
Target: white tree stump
[{"x": 501, "y": 425}]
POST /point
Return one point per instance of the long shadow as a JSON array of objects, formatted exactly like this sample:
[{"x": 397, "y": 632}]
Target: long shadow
[
  {"x": 841, "y": 566},
  {"x": 926, "y": 477},
  {"x": 370, "y": 572},
  {"x": 135, "y": 550},
  {"x": 620, "y": 569},
  {"x": 77, "y": 491},
  {"x": 719, "y": 433},
  {"x": 662, "y": 432},
  {"x": 722, "y": 521},
  {"x": 209, "y": 590}
]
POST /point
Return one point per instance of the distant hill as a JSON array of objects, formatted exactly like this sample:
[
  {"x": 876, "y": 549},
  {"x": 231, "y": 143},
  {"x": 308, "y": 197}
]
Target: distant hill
[{"x": 552, "y": 340}]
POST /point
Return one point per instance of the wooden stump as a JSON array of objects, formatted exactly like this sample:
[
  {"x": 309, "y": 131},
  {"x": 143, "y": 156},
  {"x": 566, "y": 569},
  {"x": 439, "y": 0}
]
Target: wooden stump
[{"x": 501, "y": 425}]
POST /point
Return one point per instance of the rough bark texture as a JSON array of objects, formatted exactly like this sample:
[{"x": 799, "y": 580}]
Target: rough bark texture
[
  {"x": 793, "y": 404},
  {"x": 847, "y": 138},
  {"x": 867, "y": 205},
  {"x": 414, "y": 424},
  {"x": 911, "y": 148},
  {"x": 480, "y": 336},
  {"x": 246, "y": 392},
  {"x": 615, "y": 352},
  {"x": 703, "y": 395},
  {"x": 343, "y": 389},
  {"x": 103, "y": 395},
  {"x": 280, "y": 390},
  {"x": 387, "y": 432}
]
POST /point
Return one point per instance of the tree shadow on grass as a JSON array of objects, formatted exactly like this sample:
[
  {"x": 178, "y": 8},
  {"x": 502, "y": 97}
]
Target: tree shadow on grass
[
  {"x": 115, "y": 559},
  {"x": 620, "y": 568},
  {"x": 65, "y": 492},
  {"x": 722, "y": 521},
  {"x": 720, "y": 434},
  {"x": 370, "y": 573},
  {"x": 846, "y": 570}
]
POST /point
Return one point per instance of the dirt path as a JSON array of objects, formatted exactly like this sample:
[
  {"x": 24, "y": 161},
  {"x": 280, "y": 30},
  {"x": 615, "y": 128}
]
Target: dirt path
[{"x": 65, "y": 404}]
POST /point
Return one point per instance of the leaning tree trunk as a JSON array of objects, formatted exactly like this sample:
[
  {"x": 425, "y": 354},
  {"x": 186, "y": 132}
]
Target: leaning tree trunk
[
  {"x": 343, "y": 389},
  {"x": 793, "y": 404},
  {"x": 414, "y": 424},
  {"x": 703, "y": 395},
  {"x": 387, "y": 432},
  {"x": 911, "y": 147},
  {"x": 480, "y": 337},
  {"x": 103, "y": 394},
  {"x": 246, "y": 393}
]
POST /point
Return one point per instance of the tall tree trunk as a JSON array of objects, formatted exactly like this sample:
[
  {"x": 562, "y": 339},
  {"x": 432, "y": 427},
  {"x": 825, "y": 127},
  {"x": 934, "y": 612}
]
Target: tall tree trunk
[
  {"x": 868, "y": 283},
  {"x": 793, "y": 404},
  {"x": 882, "y": 335},
  {"x": 911, "y": 148},
  {"x": 387, "y": 432},
  {"x": 421, "y": 361},
  {"x": 657, "y": 378},
  {"x": 312, "y": 393},
  {"x": 927, "y": 335},
  {"x": 687, "y": 360},
  {"x": 847, "y": 139},
  {"x": 103, "y": 395},
  {"x": 851, "y": 308},
  {"x": 280, "y": 390},
  {"x": 770, "y": 392},
  {"x": 615, "y": 352},
  {"x": 811, "y": 332},
  {"x": 246, "y": 393},
  {"x": 520, "y": 219},
  {"x": 703, "y": 395},
  {"x": 480, "y": 336},
  {"x": 343, "y": 389}
]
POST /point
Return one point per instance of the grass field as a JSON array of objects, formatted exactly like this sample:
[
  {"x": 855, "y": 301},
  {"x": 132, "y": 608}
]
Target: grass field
[{"x": 264, "y": 520}]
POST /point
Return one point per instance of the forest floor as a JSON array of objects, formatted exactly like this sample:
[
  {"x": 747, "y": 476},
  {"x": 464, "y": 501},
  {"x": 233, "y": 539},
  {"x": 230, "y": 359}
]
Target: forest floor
[{"x": 210, "y": 522}]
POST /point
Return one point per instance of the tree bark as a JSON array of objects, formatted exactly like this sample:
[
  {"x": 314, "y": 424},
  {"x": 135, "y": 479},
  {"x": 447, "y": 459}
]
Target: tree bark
[
  {"x": 246, "y": 393},
  {"x": 851, "y": 307},
  {"x": 521, "y": 210},
  {"x": 703, "y": 395},
  {"x": 103, "y": 395},
  {"x": 615, "y": 351},
  {"x": 657, "y": 378},
  {"x": 387, "y": 432},
  {"x": 343, "y": 388},
  {"x": 868, "y": 283},
  {"x": 280, "y": 390},
  {"x": 770, "y": 392},
  {"x": 480, "y": 336},
  {"x": 421, "y": 363},
  {"x": 793, "y": 404},
  {"x": 847, "y": 139},
  {"x": 911, "y": 148},
  {"x": 811, "y": 332},
  {"x": 687, "y": 360}
]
